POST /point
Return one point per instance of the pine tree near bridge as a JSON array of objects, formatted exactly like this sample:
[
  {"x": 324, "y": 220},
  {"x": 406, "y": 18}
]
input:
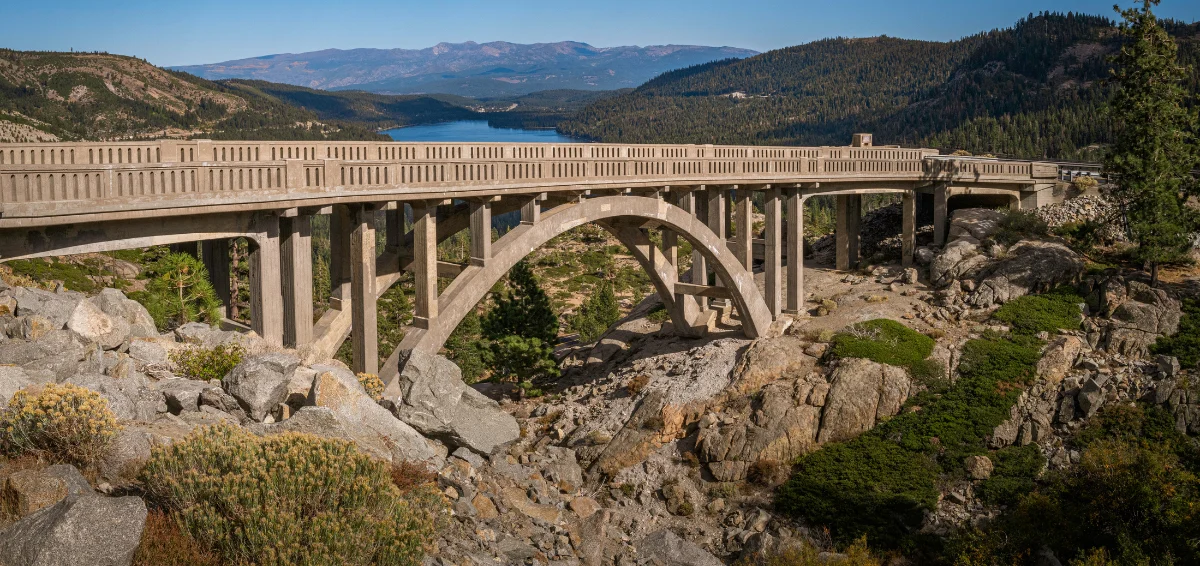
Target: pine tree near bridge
[{"x": 1155, "y": 146}]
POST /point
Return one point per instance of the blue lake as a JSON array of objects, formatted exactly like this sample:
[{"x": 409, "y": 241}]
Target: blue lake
[{"x": 474, "y": 131}]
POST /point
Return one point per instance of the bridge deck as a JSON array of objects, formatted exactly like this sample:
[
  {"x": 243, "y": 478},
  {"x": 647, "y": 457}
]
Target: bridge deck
[{"x": 60, "y": 183}]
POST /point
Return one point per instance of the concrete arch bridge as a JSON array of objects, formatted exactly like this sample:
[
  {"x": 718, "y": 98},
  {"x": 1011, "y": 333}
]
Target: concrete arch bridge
[{"x": 70, "y": 198}]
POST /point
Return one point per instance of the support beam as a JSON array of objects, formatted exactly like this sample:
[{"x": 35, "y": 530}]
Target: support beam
[
  {"x": 941, "y": 203},
  {"x": 296, "y": 260},
  {"x": 711, "y": 291},
  {"x": 340, "y": 227},
  {"x": 365, "y": 321},
  {"x": 424, "y": 263},
  {"x": 481, "y": 232},
  {"x": 744, "y": 222},
  {"x": 393, "y": 222},
  {"x": 773, "y": 252},
  {"x": 795, "y": 251},
  {"x": 266, "y": 293},
  {"x": 216, "y": 261},
  {"x": 908, "y": 234},
  {"x": 849, "y": 213}
]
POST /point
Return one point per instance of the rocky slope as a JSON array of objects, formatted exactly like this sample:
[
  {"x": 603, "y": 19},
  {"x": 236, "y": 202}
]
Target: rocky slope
[{"x": 651, "y": 449}]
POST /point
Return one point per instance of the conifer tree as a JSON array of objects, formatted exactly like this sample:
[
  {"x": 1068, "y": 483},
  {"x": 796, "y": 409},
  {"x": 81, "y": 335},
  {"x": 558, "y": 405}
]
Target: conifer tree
[
  {"x": 1155, "y": 146},
  {"x": 523, "y": 309},
  {"x": 597, "y": 313}
]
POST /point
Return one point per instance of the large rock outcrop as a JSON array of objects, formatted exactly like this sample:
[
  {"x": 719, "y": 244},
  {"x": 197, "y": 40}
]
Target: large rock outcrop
[
  {"x": 861, "y": 393},
  {"x": 260, "y": 383},
  {"x": 430, "y": 396},
  {"x": 1134, "y": 315},
  {"x": 80, "y": 529},
  {"x": 1027, "y": 267}
]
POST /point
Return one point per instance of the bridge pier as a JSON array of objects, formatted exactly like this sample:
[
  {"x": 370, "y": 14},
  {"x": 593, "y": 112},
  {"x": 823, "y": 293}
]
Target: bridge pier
[
  {"x": 481, "y": 231},
  {"x": 773, "y": 253},
  {"x": 215, "y": 254},
  {"x": 296, "y": 260},
  {"x": 908, "y": 233},
  {"x": 849, "y": 217},
  {"x": 718, "y": 222},
  {"x": 795, "y": 251},
  {"x": 340, "y": 256},
  {"x": 424, "y": 262},
  {"x": 941, "y": 209},
  {"x": 743, "y": 241},
  {"x": 266, "y": 293},
  {"x": 364, "y": 314}
]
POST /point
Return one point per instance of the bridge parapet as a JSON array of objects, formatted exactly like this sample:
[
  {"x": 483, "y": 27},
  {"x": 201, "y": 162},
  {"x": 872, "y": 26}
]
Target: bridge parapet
[{"x": 46, "y": 181}]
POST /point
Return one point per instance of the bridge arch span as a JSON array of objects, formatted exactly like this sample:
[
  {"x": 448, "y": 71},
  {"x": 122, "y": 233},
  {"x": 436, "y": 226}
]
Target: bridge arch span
[{"x": 617, "y": 214}]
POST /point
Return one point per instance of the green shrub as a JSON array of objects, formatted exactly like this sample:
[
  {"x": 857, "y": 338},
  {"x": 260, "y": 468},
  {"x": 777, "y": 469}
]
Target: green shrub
[
  {"x": 1050, "y": 312},
  {"x": 206, "y": 364},
  {"x": 1082, "y": 237},
  {"x": 62, "y": 423},
  {"x": 880, "y": 483},
  {"x": 1185, "y": 343},
  {"x": 658, "y": 313},
  {"x": 857, "y": 554},
  {"x": 1020, "y": 225},
  {"x": 74, "y": 276},
  {"x": 180, "y": 292},
  {"x": 467, "y": 347},
  {"x": 883, "y": 341},
  {"x": 523, "y": 359},
  {"x": 289, "y": 498},
  {"x": 868, "y": 486},
  {"x": 1016, "y": 468}
]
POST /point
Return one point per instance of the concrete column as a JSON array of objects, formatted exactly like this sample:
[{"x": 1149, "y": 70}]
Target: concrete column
[
  {"x": 266, "y": 292},
  {"x": 718, "y": 222},
  {"x": 216, "y": 261},
  {"x": 481, "y": 232},
  {"x": 296, "y": 259},
  {"x": 772, "y": 252},
  {"x": 189, "y": 248},
  {"x": 425, "y": 263},
  {"x": 364, "y": 316},
  {"x": 908, "y": 234},
  {"x": 690, "y": 305},
  {"x": 340, "y": 227},
  {"x": 699, "y": 201},
  {"x": 531, "y": 210},
  {"x": 941, "y": 202},
  {"x": 394, "y": 224},
  {"x": 743, "y": 247},
  {"x": 849, "y": 211},
  {"x": 795, "y": 251}
]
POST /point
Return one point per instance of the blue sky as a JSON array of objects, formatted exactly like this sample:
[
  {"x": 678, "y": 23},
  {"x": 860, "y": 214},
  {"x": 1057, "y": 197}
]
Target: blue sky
[{"x": 172, "y": 32}]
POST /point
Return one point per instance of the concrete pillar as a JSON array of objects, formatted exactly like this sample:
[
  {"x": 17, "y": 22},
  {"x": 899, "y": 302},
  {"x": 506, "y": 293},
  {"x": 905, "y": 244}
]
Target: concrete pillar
[
  {"x": 189, "y": 248},
  {"x": 393, "y": 222},
  {"x": 941, "y": 210},
  {"x": 364, "y": 316},
  {"x": 481, "y": 232},
  {"x": 424, "y": 263},
  {"x": 296, "y": 259},
  {"x": 773, "y": 252},
  {"x": 849, "y": 213},
  {"x": 340, "y": 227},
  {"x": 699, "y": 202},
  {"x": 743, "y": 247},
  {"x": 216, "y": 262},
  {"x": 531, "y": 210},
  {"x": 691, "y": 305},
  {"x": 908, "y": 234},
  {"x": 718, "y": 222},
  {"x": 795, "y": 251},
  {"x": 266, "y": 292}
]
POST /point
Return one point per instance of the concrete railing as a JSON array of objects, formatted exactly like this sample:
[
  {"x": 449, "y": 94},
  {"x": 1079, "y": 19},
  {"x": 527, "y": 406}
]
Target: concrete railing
[{"x": 62, "y": 179}]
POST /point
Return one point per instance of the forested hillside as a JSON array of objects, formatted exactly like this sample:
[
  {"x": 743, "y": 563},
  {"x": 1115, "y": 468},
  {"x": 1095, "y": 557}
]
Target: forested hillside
[
  {"x": 1033, "y": 90},
  {"x": 47, "y": 96}
]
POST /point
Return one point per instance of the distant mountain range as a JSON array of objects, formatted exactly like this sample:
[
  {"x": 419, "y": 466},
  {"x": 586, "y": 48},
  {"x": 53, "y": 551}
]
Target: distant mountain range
[{"x": 470, "y": 69}]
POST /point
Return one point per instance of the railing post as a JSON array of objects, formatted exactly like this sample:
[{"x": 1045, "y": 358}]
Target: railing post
[{"x": 364, "y": 315}]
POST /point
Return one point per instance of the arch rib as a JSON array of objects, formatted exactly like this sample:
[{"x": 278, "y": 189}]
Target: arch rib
[{"x": 473, "y": 284}]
